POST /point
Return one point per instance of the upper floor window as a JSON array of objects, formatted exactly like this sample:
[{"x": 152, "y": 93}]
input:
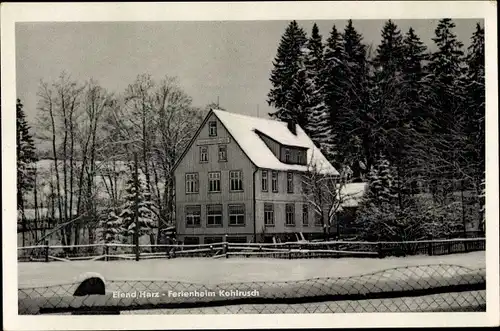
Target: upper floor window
[
  {"x": 192, "y": 183},
  {"x": 301, "y": 157},
  {"x": 268, "y": 214},
  {"x": 193, "y": 215},
  {"x": 289, "y": 182},
  {"x": 212, "y": 128},
  {"x": 222, "y": 152},
  {"x": 203, "y": 154},
  {"x": 290, "y": 214},
  {"x": 287, "y": 155},
  {"x": 214, "y": 215},
  {"x": 305, "y": 215},
  {"x": 237, "y": 214},
  {"x": 236, "y": 180},
  {"x": 214, "y": 181},
  {"x": 274, "y": 181},
  {"x": 265, "y": 182}
]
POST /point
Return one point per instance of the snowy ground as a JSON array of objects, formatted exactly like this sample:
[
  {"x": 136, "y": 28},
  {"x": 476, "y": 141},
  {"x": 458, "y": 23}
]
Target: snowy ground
[{"x": 212, "y": 271}]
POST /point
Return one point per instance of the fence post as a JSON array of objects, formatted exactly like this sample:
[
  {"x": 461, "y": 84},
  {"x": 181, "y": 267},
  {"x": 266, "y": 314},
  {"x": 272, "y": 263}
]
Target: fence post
[
  {"x": 226, "y": 249},
  {"x": 46, "y": 251},
  {"x": 429, "y": 248},
  {"x": 379, "y": 250},
  {"x": 211, "y": 250},
  {"x": 106, "y": 252},
  {"x": 449, "y": 244}
]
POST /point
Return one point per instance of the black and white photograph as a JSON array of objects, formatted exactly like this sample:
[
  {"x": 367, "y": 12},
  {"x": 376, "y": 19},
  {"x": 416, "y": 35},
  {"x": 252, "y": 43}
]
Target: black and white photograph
[{"x": 231, "y": 166}]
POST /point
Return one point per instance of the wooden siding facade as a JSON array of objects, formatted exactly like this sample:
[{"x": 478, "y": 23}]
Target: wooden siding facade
[{"x": 253, "y": 198}]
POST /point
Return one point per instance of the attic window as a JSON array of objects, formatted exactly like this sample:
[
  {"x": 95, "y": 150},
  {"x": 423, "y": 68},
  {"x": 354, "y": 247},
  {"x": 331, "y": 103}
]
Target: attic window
[
  {"x": 212, "y": 128},
  {"x": 287, "y": 155}
]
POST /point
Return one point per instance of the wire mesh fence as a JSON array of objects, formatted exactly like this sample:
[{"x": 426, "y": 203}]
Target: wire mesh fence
[
  {"x": 423, "y": 288},
  {"x": 290, "y": 250}
]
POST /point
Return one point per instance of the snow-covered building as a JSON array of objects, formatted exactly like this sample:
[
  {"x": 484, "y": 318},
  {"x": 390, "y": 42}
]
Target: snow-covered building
[{"x": 240, "y": 180}]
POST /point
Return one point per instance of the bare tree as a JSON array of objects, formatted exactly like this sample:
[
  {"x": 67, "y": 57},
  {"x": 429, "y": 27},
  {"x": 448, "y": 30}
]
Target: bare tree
[
  {"x": 326, "y": 194},
  {"x": 59, "y": 105}
]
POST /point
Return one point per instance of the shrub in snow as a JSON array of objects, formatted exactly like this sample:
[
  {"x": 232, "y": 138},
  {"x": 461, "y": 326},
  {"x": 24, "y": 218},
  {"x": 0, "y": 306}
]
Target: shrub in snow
[{"x": 146, "y": 217}]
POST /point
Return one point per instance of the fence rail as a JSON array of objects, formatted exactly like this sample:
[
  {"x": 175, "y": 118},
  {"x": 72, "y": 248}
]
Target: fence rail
[
  {"x": 414, "y": 288},
  {"x": 294, "y": 250}
]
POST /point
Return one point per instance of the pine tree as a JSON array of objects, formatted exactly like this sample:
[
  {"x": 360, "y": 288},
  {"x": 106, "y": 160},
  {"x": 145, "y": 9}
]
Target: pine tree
[
  {"x": 414, "y": 53},
  {"x": 26, "y": 159},
  {"x": 314, "y": 59},
  {"x": 381, "y": 183},
  {"x": 284, "y": 74},
  {"x": 334, "y": 71},
  {"x": 317, "y": 125},
  {"x": 111, "y": 227},
  {"x": 25, "y": 148},
  {"x": 354, "y": 118},
  {"x": 389, "y": 54},
  {"x": 445, "y": 68},
  {"x": 476, "y": 101},
  {"x": 143, "y": 197}
]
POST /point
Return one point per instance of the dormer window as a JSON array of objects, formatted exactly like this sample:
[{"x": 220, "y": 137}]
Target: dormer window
[
  {"x": 212, "y": 129},
  {"x": 287, "y": 155}
]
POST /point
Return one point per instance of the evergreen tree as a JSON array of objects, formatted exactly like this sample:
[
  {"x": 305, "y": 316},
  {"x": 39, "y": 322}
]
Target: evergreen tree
[
  {"x": 317, "y": 125},
  {"x": 111, "y": 227},
  {"x": 145, "y": 212},
  {"x": 354, "y": 117},
  {"x": 25, "y": 149},
  {"x": 414, "y": 53},
  {"x": 26, "y": 159},
  {"x": 381, "y": 183},
  {"x": 333, "y": 73},
  {"x": 285, "y": 72},
  {"x": 445, "y": 69},
  {"x": 476, "y": 110},
  {"x": 389, "y": 54},
  {"x": 314, "y": 58}
]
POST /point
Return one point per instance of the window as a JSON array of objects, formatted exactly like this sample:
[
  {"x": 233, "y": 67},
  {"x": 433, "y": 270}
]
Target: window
[
  {"x": 274, "y": 181},
  {"x": 269, "y": 214},
  {"x": 191, "y": 240},
  {"x": 290, "y": 214},
  {"x": 236, "y": 240},
  {"x": 193, "y": 216},
  {"x": 214, "y": 182},
  {"x": 192, "y": 183},
  {"x": 264, "y": 181},
  {"x": 317, "y": 220},
  {"x": 212, "y": 128},
  {"x": 213, "y": 240},
  {"x": 289, "y": 182},
  {"x": 237, "y": 214},
  {"x": 214, "y": 215},
  {"x": 287, "y": 155},
  {"x": 203, "y": 154},
  {"x": 301, "y": 157},
  {"x": 222, "y": 152},
  {"x": 236, "y": 180},
  {"x": 305, "y": 215}
]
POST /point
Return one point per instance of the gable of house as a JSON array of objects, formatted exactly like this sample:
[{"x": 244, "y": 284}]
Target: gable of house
[{"x": 264, "y": 141}]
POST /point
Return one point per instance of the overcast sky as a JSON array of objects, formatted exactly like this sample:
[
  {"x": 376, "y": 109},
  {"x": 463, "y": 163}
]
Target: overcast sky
[{"x": 230, "y": 60}]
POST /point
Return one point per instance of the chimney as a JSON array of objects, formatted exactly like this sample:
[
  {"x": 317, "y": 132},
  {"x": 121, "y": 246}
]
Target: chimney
[{"x": 292, "y": 126}]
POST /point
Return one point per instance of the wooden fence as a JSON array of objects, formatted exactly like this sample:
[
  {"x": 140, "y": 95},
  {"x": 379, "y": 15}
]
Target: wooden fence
[{"x": 289, "y": 250}]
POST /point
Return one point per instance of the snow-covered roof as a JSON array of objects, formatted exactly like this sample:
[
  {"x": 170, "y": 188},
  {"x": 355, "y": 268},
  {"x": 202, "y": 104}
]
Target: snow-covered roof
[
  {"x": 352, "y": 193},
  {"x": 243, "y": 129}
]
